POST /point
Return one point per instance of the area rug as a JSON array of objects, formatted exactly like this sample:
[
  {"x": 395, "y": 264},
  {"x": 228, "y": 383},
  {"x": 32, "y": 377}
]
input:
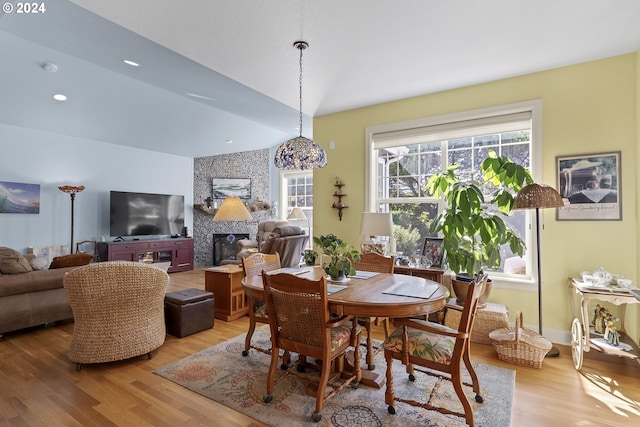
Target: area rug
[{"x": 222, "y": 374}]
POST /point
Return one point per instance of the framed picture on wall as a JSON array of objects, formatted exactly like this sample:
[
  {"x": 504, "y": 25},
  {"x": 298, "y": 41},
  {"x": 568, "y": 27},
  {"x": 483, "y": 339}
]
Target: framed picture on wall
[
  {"x": 231, "y": 187},
  {"x": 432, "y": 251},
  {"x": 590, "y": 186},
  {"x": 19, "y": 197}
]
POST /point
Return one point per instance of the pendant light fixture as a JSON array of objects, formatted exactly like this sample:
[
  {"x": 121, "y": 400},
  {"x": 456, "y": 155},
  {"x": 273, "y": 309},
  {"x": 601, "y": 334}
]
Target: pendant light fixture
[{"x": 300, "y": 153}]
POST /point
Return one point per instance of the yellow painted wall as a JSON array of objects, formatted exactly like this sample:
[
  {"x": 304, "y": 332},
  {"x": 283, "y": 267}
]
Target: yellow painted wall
[{"x": 587, "y": 108}]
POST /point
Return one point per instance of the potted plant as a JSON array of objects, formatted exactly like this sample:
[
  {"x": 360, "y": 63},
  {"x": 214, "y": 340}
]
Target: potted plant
[
  {"x": 472, "y": 232},
  {"x": 310, "y": 256},
  {"x": 340, "y": 253}
]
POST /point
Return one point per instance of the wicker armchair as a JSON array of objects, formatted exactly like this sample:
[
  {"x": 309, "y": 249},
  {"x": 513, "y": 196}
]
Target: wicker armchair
[
  {"x": 438, "y": 349},
  {"x": 300, "y": 322},
  {"x": 253, "y": 265},
  {"x": 118, "y": 308},
  {"x": 371, "y": 261}
]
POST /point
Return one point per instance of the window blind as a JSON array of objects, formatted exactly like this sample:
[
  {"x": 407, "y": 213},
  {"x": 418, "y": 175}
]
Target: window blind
[{"x": 452, "y": 130}]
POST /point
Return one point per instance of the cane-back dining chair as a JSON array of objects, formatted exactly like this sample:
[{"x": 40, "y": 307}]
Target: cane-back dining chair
[
  {"x": 373, "y": 262},
  {"x": 253, "y": 265},
  {"x": 438, "y": 349},
  {"x": 300, "y": 322}
]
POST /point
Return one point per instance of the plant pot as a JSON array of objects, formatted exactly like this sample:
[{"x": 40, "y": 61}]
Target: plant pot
[
  {"x": 339, "y": 277},
  {"x": 460, "y": 286}
]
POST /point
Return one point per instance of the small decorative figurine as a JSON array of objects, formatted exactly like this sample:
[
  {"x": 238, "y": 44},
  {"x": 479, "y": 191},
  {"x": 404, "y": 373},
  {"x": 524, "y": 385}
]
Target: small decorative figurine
[
  {"x": 596, "y": 315},
  {"x": 611, "y": 333}
]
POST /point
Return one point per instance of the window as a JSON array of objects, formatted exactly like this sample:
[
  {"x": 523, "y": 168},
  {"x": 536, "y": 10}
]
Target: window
[
  {"x": 401, "y": 157},
  {"x": 296, "y": 190}
]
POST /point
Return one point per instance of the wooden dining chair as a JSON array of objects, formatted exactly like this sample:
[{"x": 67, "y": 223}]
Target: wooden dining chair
[
  {"x": 253, "y": 265},
  {"x": 300, "y": 322},
  {"x": 439, "y": 349},
  {"x": 88, "y": 247},
  {"x": 373, "y": 262}
]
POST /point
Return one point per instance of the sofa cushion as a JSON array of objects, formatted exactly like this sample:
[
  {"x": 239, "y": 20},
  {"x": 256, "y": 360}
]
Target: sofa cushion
[
  {"x": 39, "y": 263},
  {"x": 71, "y": 260},
  {"x": 12, "y": 262},
  {"x": 34, "y": 281}
]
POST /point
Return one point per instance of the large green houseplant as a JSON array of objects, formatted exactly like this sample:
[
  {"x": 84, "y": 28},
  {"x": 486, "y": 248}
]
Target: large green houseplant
[
  {"x": 473, "y": 233},
  {"x": 340, "y": 253}
]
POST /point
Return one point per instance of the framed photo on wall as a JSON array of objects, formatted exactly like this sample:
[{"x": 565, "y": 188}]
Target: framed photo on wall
[
  {"x": 19, "y": 198},
  {"x": 590, "y": 186},
  {"x": 231, "y": 187},
  {"x": 432, "y": 251}
]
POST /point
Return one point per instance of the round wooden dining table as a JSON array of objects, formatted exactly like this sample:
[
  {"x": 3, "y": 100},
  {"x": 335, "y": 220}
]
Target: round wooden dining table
[{"x": 369, "y": 297}]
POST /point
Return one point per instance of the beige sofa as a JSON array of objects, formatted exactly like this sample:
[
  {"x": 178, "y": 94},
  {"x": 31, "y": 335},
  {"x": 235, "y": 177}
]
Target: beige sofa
[{"x": 31, "y": 297}]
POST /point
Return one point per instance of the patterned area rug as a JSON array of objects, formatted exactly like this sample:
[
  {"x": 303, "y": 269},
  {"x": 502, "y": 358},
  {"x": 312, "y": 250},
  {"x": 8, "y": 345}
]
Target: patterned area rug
[{"x": 222, "y": 374}]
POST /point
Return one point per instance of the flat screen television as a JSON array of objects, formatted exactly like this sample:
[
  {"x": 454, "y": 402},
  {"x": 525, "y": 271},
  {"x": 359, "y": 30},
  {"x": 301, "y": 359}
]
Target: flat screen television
[{"x": 142, "y": 214}]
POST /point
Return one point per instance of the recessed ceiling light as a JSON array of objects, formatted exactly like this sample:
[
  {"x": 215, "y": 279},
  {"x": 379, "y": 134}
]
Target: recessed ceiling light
[
  {"x": 50, "y": 67},
  {"x": 60, "y": 97},
  {"x": 229, "y": 141},
  {"x": 130, "y": 62}
]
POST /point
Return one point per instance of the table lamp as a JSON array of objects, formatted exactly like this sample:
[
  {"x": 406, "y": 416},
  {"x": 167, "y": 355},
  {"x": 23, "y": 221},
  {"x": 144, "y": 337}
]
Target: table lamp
[
  {"x": 232, "y": 209},
  {"x": 375, "y": 224},
  {"x": 297, "y": 214}
]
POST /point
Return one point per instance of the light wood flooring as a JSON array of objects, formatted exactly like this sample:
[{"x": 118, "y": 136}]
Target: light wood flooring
[{"x": 39, "y": 386}]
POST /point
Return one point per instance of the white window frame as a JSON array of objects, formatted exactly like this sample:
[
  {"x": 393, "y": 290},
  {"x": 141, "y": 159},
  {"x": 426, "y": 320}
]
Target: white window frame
[
  {"x": 408, "y": 128},
  {"x": 284, "y": 194}
]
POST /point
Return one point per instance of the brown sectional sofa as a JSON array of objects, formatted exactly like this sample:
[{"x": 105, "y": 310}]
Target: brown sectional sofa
[{"x": 34, "y": 297}]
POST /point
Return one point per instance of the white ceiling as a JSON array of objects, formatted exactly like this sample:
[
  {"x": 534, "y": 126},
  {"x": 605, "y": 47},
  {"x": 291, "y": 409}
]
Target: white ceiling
[{"x": 361, "y": 52}]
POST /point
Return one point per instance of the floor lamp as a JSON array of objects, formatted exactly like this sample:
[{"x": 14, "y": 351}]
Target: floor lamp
[
  {"x": 72, "y": 190},
  {"x": 539, "y": 196}
]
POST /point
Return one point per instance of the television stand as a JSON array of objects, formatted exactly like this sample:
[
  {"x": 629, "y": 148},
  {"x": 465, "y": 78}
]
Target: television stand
[{"x": 178, "y": 251}]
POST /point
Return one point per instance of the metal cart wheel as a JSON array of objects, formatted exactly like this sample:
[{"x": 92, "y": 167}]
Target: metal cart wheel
[{"x": 577, "y": 344}]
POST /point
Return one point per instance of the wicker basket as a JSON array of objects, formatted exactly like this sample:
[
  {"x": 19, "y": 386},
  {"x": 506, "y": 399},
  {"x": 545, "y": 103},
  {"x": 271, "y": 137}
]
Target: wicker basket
[
  {"x": 520, "y": 345},
  {"x": 492, "y": 317}
]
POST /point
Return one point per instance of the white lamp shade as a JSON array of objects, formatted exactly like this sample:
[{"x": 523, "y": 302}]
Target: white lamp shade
[
  {"x": 376, "y": 224},
  {"x": 232, "y": 209},
  {"x": 297, "y": 214}
]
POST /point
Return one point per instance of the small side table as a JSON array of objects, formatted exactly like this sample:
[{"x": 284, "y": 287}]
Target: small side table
[
  {"x": 488, "y": 319},
  {"x": 226, "y": 284}
]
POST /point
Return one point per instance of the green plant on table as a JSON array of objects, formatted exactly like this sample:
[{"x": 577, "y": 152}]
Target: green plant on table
[
  {"x": 340, "y": 254},
  {"x": 309, "y": 256},
  {"x": 472, "y": 233}
]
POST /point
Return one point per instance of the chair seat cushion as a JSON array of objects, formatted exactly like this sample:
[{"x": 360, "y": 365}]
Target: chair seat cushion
[
  {"x": 340, "y": 335},
  {"x": 424, "y": 345},
  {"x": 261, "y": 310}
]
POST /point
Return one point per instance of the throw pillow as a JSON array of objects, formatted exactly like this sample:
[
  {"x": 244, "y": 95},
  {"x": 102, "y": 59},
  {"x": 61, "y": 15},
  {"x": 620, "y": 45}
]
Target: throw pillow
[
  {"x": 12, "y": 262},
  {"x": 71, "y": 260},
  {"x": 39, "y": 263}
]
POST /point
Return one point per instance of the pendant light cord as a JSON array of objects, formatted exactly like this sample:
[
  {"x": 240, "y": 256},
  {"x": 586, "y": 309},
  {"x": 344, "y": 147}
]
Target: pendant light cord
[{"x": 301, "y": 47}]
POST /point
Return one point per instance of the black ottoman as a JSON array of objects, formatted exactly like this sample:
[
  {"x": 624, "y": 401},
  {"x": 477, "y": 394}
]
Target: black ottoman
[{"x": 189, "y": 311}]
